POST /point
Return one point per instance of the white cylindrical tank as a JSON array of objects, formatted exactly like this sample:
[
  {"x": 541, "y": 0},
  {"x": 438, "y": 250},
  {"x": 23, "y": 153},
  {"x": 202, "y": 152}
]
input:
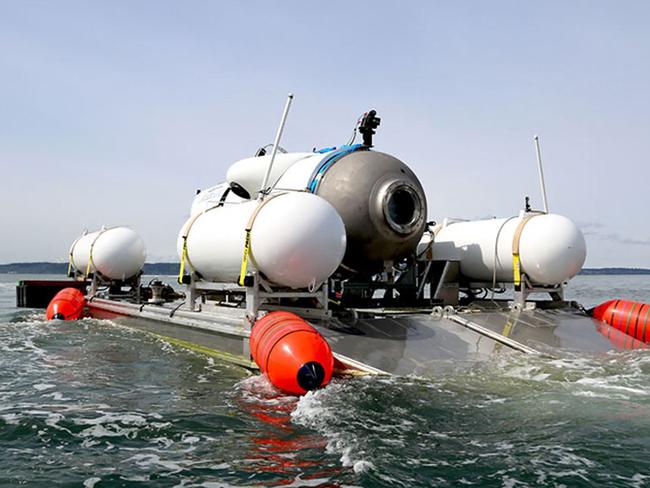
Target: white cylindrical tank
[
  {"x": 297, "y": 240},
  {"x": 378, "y": 197},
  {"x": 552, "y": 248},
  {"x": 117, "y": 253},
  {"x": 213, "y": 196},
  {"x": 248, "y": 174}
]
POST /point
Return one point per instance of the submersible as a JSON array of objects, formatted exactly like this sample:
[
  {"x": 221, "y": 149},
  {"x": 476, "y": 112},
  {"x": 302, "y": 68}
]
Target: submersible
[{"x": 326, "y": 262}]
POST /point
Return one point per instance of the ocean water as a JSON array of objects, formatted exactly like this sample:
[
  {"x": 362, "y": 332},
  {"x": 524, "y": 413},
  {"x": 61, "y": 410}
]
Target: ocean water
[{"x": 93, "y": 404}]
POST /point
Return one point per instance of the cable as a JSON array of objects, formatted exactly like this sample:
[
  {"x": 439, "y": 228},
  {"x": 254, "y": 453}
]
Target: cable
[
  {"x": 171, "y": 314},
  {"x": 262, "y": 150},
  {"x": 354, "y": 131}
]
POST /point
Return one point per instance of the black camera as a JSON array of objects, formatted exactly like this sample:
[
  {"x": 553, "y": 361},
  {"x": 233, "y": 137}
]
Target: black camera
[{"x": 367, "y": 127}]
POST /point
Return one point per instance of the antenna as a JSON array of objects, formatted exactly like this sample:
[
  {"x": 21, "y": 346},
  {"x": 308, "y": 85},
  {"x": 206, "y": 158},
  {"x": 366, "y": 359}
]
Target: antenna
[
  {"x": 541, "y": 172},
  {"x": 278, "y": 135}
]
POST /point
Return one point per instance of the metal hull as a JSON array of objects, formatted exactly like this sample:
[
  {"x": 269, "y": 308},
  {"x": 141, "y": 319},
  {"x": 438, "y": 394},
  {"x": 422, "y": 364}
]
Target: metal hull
[
  {"x": 382, "y": 341},
  {"x": 217, "y": 334}
]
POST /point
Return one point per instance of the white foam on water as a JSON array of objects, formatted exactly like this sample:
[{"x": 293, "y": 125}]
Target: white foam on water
[
  {"x": 311, "y": 411},
  {"x": 167, "y": 347},
  {"x": 53, "y": 420},
  {"x": 591, "y": 394},
  {"x": 56, "y": 396},
  {"x": 299, "y": 482},
  {"x": 135, "y": 478},
  {"x": 89, "y": 442},
  {"x": 11, "y": 418},
  {"x": 637, "y": 480},
  {"x": 210, "y": 484},
  {"x": 464, "y": 481},
  {"x": 43, "y": 386},
  {"x": 28, "y": 344},
  {"x": 91, "y": 482},
  {"x": 165, "y": 442},
  {"x": 109, "y": 430},
  {"x": 504, "y": 446},
  {"x": 556, "y": 462},
  {"x": 362, "y": 466},
  {"x": 566, "y": 456},
  {"x": 510, "y": 482},
  {"x": 110, "y": 418},
  {"x": 257, "y": 389},
  {"x": 606, "y": 383},
  {"x": 109, "y": 424},
  {"x": 609, "y": 376},
  {"x": 153, "y": 460},
  {"x": 569, "y": 473}
]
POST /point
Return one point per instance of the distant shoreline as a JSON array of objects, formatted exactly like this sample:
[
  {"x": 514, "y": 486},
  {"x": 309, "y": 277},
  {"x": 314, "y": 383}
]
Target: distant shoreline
[
  {"x": 615, "y": 271},
  {"x": 172, "y": 269},
  {"x": 62, "y": 268}
]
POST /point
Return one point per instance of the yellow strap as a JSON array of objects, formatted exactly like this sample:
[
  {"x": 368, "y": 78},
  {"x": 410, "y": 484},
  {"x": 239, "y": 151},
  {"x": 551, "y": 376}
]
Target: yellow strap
[
  {"x": 71, "y": 264},
  {"x": 90, "y": 259},
  {"x": 247, "y": 238},
  {"x": 184, "y": 254},
  {"x": 90, "y": 254},
  {"x": 507, "y": 329},
  {"x": 244, "y": 260},
  {"x": 516, "y": 262},
  {"x": 516, "y": 266},
  {"x": 181, "y": 272}
]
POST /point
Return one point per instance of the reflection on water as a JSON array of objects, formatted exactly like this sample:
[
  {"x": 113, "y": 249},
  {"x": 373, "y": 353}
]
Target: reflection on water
[{"x": 279, "y": 447}]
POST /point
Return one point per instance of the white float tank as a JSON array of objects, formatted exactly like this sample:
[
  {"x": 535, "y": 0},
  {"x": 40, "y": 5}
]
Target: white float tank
[
  {"x": 246, "y": 175},
  {"x": 213, "y": 196},
  {"x": 552, "y": 248},
  {"x": 297, "y": 240},
  {"x": 380, "y": 200},
  {"x": 117, "y": 253}
]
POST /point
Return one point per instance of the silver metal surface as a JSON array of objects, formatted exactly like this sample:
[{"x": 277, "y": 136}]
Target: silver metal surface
[
  {"x": 555, "y": 331},
  {"x": 540, "y": 169},
  {"x": 382, "y": 204},
  {"x": 402, "y": 342},
  {"x": 276, "y": 144}
]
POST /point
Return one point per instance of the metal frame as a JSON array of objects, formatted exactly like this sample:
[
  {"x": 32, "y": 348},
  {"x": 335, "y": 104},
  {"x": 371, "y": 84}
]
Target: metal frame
[
  {"x": 259, "y": 296},
  {"x": 526, "y": 288},
  {"x": 98, "y": 280},
  {"x": 261, "y": 293}
]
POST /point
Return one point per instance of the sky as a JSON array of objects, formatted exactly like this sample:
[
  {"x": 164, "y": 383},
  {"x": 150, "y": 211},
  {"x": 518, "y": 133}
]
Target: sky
[{"x": 116, "y": 112}]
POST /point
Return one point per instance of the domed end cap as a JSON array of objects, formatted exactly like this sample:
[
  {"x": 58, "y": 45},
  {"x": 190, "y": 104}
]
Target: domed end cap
[
  {"x": 311, "y": 375},
  {"x": 552, "y": 249}
]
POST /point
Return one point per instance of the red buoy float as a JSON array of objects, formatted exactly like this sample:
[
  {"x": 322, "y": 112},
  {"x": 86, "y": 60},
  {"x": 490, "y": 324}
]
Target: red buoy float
[
  {"x": 291, "y": 353},
  {"x": 68, "y": 304},
  {"x": 631, "y": 318}
]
